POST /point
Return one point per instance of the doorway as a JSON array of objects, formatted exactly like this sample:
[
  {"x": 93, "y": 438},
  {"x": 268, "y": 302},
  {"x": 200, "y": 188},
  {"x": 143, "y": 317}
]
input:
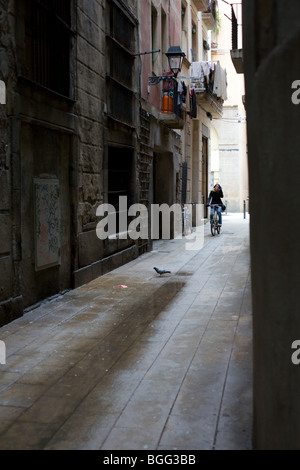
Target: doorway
[{"x": 164, "y": 184}]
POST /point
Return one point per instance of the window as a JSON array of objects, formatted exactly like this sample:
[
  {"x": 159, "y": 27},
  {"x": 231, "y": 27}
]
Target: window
[
  {"x": 194, "y": 42},
  {"x": 184, "y": 29},
  {"x": 164, "y": 40},
  {"x": 47, "y": 44},
  {"x": 120, "y": 46},
  {"x": 120, "y": 162},
  {"x": 154, "y": 41}
]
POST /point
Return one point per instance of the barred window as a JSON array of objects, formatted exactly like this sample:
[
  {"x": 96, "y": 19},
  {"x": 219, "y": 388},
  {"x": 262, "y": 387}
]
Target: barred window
[
  {"x": 120, "y": 45},
  {"x": 47, "y": 44}
]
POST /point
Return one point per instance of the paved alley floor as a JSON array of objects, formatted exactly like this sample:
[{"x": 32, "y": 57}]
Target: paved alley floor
[{"x": 162, "y": 363}]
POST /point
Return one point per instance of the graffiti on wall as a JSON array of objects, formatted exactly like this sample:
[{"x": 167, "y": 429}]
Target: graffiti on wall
[{"x": 47, "y": 223}]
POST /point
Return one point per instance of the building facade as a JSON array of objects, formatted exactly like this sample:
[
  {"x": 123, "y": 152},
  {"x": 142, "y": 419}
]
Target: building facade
[
  {"x": 186, "y": 23},
  {"x": 229, "y": 143},
  {"x": 68, "y": 142},
  {"x": 82, "y": 125}
]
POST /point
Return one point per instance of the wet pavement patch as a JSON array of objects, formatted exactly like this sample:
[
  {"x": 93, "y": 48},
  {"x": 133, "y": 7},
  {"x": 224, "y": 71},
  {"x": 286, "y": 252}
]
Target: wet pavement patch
[
  {"x": 153, "y": 304},
  {"x": 184, "y": 273},
  {"x": 120, "y": 325}
]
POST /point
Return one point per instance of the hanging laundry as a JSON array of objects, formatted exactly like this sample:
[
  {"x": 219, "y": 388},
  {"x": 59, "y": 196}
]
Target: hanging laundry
[
  {"x": 193, "y": 98},
  {"x": 197, "y": 71},
  {"x": 206, "y": 68},
  {"x": 224, "y": 92},
  {"x": 217, "y": 80},
  {"x": 184, "y": 92},
  {"x": 168, "y": 81},
  {"x": 220, "y": 82},
  {"x": 188, "y": 99},
  {"x": 179, "y": 91}
]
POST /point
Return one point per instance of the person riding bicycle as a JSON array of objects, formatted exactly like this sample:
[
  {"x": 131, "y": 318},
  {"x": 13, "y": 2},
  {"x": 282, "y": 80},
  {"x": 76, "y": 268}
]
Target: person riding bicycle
[{"x": 215, "y": 198}]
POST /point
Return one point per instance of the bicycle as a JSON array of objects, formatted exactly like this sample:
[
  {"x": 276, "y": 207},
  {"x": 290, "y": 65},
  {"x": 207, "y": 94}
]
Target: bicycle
[{"x": 214, "y": 221}]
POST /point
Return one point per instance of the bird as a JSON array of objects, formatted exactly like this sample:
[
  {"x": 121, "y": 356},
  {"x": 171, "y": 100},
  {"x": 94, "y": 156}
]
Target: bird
[{"x": 161, "y": 271}]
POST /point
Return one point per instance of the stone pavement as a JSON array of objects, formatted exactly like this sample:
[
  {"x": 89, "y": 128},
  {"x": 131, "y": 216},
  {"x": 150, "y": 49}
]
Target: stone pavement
[{"x": 164, "y": 363}]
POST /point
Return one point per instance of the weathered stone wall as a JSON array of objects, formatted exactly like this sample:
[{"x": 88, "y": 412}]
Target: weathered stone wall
[
  {"x": 94, "y": 256},
  {"x": 10, "y": 299},
  {"x": 90, "y": 102},
  {"x": 36, "y": 141}
]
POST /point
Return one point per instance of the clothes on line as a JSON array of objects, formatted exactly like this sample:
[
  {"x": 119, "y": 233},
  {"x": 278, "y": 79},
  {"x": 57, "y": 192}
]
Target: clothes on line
[
  {"x": 205, "y": 76},
  {"x": 212, "y": 77}
]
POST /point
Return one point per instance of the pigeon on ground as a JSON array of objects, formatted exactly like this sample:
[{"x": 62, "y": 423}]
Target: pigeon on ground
[{"x": 161, "y": 271}]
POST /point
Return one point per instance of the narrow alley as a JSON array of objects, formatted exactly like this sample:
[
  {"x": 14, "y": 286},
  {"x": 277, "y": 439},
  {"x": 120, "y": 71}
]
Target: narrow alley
[{"x": 134, "y": 360}]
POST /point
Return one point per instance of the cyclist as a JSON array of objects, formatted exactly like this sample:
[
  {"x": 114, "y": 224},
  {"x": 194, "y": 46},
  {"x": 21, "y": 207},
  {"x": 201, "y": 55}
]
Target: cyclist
[{"x": 215, "y": 198}]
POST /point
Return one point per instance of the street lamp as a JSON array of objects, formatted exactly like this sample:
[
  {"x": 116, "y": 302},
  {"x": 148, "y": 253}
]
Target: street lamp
[{"x": 175, "y": 57}]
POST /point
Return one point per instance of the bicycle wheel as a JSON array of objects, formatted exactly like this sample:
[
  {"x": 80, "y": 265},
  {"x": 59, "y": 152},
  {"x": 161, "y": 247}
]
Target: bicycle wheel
[{"x": 212, "y": 227}]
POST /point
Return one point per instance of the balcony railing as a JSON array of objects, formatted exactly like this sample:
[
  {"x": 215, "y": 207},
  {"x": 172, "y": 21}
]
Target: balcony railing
[
  {"x": 210, "y": 103},
  {"x": 209, "y": 16},
  {"x": 236, "y": 37},
  {"x": 201, "y": 5}
]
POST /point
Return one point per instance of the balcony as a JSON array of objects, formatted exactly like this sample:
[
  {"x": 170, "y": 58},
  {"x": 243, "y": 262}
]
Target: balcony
[
  {"x": 210, "y": 103},
  {"x": 236, "y": 36},
  {"x": 209, "y": 80},
  {"x": 237, "y": 60},
  {"x": 171, "y": 120},
  {"x": 209, "y": 16},
  {"x": 201, "y": 5},
  {"x": 171, "y": 105}
]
